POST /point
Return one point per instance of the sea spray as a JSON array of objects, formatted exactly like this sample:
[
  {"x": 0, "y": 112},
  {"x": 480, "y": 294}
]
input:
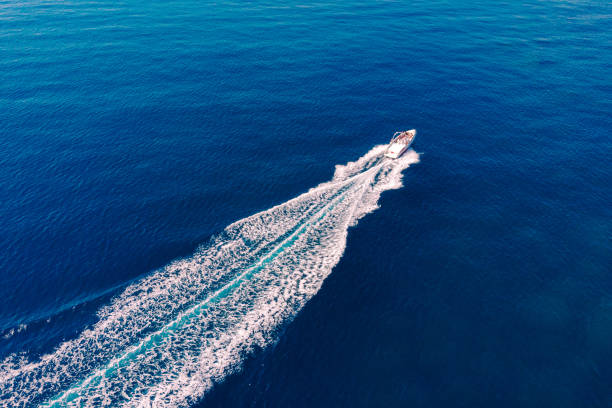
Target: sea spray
[{"x": 168, "y": 337}]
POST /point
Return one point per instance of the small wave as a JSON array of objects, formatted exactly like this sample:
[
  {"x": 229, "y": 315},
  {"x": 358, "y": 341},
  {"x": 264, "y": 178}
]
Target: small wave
[
  {"x": 168, "y": 337},
  {"x": 7, "y": 334}
]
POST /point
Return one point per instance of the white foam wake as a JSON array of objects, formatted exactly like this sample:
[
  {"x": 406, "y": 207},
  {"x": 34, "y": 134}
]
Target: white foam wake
[{"x": 168, "y": 337}]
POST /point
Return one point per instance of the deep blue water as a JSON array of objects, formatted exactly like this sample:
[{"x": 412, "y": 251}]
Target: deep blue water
[{"x": 131, "y": 132}]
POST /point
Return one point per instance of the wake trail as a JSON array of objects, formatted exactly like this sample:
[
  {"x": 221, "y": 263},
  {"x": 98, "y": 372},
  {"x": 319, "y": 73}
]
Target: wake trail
[{"x": 168, "y": 337}]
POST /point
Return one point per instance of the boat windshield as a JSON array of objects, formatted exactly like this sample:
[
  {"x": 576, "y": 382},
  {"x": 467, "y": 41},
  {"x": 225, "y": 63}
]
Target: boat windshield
[{"x": 401, "y": 137}]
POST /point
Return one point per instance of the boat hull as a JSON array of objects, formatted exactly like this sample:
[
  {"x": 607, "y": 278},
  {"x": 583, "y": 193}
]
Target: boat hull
[{"x": 400, "y": 143}]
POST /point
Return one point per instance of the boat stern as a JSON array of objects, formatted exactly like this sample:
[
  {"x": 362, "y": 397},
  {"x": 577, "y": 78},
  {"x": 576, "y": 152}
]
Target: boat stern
[{"x": 395, "y": 150}]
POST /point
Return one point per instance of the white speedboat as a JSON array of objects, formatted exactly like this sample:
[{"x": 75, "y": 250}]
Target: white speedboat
[{"x": 400, "y": 142}]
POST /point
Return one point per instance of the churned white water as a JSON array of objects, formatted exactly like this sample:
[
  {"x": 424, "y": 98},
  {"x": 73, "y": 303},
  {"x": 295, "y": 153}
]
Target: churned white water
[{"x": 167, "y": 338}]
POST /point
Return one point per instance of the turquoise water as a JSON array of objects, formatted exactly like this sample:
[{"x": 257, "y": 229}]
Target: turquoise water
[{"x": 156, "y": 155}]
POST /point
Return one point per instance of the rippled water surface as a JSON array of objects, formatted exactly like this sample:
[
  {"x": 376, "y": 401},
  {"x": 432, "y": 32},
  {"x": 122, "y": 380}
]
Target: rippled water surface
[{"x": 196, "y": 210}]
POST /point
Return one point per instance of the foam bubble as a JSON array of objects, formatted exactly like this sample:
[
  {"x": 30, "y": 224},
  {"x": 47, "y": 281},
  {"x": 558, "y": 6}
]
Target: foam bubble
[{"x": 167, "y": 338}]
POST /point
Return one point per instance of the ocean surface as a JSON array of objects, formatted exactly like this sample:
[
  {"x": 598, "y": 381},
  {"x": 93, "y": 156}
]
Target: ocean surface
[{"x": 195, "y": 210}]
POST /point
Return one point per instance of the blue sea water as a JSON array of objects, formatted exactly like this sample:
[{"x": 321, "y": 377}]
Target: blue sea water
[{"x": 133, "y": 133}]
